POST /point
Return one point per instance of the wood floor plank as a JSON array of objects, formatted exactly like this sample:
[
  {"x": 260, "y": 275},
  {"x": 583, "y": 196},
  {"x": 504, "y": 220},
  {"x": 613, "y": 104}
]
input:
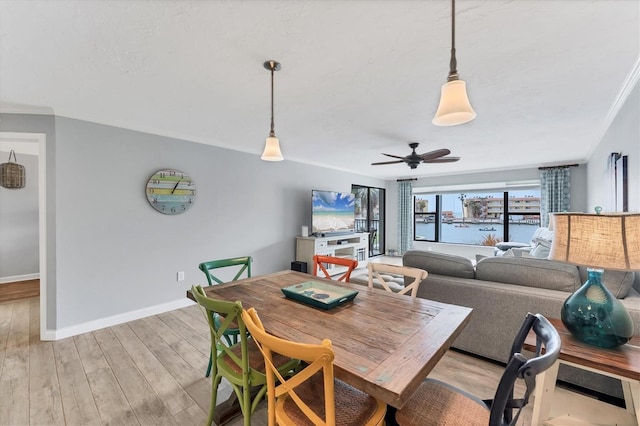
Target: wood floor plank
[
  {"x": 19, "y": 290},
  {"x": 199, "y": 339},
  {"x": 45, "y": 399},
  {"x": 148, "y": 408},
  {"x": 77, "y": 399},
  {"x": 184, "y": 373},
  {"x": 14, "y": 379},
  {"x": 155, "y": 372},
  {"x": 193, "y": 415},
  {"x": 193, "y": 321},
  {"x": 34, "y": 320},
  {"x": 185, "y": 349},
  {"x": 107, "y": 394},
  {"x": 6, "y": 311}
]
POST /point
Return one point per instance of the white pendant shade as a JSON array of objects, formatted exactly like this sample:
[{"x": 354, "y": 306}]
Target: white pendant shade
[
  {"x": 454, "y": 107},
  {"x": 272, "y": 150}
]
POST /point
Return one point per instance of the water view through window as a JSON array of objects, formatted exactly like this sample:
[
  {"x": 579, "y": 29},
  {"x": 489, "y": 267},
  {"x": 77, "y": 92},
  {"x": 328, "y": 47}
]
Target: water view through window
[{"x": 480, "y": 218}]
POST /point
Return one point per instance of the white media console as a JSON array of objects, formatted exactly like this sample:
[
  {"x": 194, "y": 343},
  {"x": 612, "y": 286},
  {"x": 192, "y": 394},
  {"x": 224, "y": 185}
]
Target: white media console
[{"x": 351, "y": 246}]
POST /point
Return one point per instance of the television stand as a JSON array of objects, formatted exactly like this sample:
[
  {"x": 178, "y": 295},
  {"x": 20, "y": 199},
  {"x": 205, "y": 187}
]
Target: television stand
[{"x": 352, "y": 246}]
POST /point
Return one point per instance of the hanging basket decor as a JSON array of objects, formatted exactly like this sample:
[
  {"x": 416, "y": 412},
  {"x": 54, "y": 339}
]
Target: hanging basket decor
[{"x": 12, "y": 174}]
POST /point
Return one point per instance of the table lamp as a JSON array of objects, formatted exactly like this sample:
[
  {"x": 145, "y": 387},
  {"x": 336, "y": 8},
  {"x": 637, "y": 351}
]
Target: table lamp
[{"x": 598, "y": 241}]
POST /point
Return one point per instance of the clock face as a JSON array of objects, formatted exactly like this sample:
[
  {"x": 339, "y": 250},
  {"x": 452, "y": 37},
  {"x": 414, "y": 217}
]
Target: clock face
[{"x": 170, "y": 191}]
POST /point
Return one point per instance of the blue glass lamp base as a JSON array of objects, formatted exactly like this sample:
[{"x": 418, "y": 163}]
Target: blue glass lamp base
[{"x": 593, "y": 315}]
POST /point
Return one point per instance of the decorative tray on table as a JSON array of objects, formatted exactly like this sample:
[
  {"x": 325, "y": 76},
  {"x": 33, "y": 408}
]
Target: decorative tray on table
[{"x": 319, "y": 294}]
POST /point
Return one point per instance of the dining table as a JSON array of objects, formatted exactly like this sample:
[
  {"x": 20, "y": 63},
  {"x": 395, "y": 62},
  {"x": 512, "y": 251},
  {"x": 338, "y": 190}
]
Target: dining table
[{"x": 385, "y": 344}]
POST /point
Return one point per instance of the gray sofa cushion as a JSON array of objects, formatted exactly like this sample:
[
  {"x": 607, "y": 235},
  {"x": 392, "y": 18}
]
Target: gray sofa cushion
[
  {"x": 439, "y": 263},
  {"x": 530, "y": 272},
  {"x": 617, "y": 282}
]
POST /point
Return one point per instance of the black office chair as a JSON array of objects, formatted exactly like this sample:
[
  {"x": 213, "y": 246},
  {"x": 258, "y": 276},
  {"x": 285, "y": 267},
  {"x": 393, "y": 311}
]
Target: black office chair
[{"x": 437, "y": 403}]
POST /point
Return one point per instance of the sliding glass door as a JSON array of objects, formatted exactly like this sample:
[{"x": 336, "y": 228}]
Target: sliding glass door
[{"x": 370, "y": 218}]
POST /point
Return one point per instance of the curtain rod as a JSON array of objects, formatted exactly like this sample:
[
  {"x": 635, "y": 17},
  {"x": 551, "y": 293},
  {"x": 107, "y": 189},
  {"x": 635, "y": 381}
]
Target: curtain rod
[
  {"x": 406, "y": 180},
  {"x": 566, "y": 166}
]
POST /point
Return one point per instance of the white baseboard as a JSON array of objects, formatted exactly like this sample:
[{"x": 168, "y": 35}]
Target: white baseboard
[
  {"x": 25, "y": 277},
  {"x": 98, "y": 324}
]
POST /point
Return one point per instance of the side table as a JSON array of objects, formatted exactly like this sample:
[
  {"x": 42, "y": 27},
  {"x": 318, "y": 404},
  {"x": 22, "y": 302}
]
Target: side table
[{"x": 622, "y": 363}]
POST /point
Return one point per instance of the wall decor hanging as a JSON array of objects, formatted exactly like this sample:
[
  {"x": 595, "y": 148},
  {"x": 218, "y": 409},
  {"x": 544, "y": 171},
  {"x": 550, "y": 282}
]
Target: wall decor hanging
[{"x": 12, "y": 174}]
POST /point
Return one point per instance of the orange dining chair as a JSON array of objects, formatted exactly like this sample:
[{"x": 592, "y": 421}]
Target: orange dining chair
[
  {"x": 376, "y": 276},
  {"x": 313, "y": 396},
  {"x": 320, "y": 261}
]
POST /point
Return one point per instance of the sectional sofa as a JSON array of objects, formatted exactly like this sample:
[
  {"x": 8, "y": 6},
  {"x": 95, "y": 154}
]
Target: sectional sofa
[{"x": 501, "y": 290}]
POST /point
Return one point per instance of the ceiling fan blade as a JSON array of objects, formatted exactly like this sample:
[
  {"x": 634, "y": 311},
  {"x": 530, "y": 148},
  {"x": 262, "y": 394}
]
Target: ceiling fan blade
[
  {"x": 393, "y": 156},
  {"x": 442, "y": 160},
  {"x": 387, "y": 162},
  {"x": 435, "y": 154}
]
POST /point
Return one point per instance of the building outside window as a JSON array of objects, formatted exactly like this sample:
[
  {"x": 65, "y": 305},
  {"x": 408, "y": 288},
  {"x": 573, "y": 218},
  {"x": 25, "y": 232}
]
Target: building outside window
[{"x": 478, "y": 218}]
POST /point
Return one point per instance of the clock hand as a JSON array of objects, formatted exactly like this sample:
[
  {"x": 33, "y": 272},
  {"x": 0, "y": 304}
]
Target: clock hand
[{"x": 174, "y": 188}]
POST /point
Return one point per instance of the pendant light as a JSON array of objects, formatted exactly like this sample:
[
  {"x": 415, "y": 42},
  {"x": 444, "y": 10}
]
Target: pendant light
[
  {"x": 454, "y": 107},
  {"x": 272, "y": 145}
]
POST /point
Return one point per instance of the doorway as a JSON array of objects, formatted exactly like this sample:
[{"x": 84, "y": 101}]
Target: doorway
[
  {"x": 35, "y": 143},
  {"x": 370, "y": 208}
]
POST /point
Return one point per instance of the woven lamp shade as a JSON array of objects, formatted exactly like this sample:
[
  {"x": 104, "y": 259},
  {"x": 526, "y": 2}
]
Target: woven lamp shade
[
  {"x": 604, "y": 241},
  {"x": 12, "y": 174}
]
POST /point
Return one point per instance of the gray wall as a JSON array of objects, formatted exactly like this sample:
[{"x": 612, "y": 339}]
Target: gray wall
[
  {"x": 622, "y": 136},
  {"x": 115, "y": 254},
  {"x": 19, "y": 222}
]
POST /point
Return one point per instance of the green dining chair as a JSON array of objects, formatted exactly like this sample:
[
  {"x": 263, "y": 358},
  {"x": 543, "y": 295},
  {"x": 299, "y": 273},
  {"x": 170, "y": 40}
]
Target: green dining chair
[
  {"x": 239, "y": 265},
  {"x": 242, "y": 364}
]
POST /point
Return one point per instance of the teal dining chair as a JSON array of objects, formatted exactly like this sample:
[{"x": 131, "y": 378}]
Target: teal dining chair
[{"x": 239, "y": 265}]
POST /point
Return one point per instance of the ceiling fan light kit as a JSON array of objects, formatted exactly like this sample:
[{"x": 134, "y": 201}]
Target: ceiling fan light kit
[
  {"x": 454, "y": 107},
  {"x": 272, "y": 144}
]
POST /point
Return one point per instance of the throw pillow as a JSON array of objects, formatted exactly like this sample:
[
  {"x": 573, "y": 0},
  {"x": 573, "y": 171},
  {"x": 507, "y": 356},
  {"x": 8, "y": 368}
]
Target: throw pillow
[
  {"x": 617, "y": 282},
  {"x": 530, "y": 272},
  {"x": 439, "y": 263},
  {"x": 541, "y": 249}
]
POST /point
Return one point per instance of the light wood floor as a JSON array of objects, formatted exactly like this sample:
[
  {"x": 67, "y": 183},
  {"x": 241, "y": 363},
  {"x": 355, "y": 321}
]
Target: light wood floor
[{"x": 149, "y": 371}]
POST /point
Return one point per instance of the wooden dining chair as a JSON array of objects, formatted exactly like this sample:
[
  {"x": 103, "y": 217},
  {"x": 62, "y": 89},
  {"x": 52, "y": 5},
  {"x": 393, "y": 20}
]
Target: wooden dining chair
[
  {"x": 239, "y": 265},
  {"x": 319, "y": 262},
  {"x": 377, "y": 269},
  {"x": 244, "y": 264},
  {"x": 313, "y": 396},
  {"x": 437, "y": 403},
  {"x": 242, "y": 364}
]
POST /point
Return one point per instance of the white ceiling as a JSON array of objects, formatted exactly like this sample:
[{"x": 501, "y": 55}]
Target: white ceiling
[{"x": 358, "y": 77}]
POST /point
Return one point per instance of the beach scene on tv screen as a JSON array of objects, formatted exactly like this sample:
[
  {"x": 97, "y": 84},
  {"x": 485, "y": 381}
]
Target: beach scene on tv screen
[{"x": 333, "y": 212}]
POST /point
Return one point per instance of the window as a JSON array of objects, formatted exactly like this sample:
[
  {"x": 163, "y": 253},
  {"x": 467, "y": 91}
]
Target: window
[
  {"x": 425, "y": 213},
  {"x": 370, "y": 218},
  {"x": 477, "y": 218}
]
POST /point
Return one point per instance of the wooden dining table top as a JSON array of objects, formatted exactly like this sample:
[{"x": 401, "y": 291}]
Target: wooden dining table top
[{"x": 385, "y": 344}]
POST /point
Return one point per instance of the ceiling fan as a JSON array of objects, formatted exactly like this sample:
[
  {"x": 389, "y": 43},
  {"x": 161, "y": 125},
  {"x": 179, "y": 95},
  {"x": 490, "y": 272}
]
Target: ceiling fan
[{"x": 413, "y": 159}]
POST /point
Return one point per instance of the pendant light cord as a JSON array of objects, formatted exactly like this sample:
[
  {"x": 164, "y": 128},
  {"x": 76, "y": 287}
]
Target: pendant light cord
[
  {"x": 453, "y": 63},
  {"x": 272, "y": 134}
]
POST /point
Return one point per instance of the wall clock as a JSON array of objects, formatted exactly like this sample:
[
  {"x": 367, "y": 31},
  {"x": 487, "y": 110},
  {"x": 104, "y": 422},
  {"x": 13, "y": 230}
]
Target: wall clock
[{"x": 171, "y": 191}]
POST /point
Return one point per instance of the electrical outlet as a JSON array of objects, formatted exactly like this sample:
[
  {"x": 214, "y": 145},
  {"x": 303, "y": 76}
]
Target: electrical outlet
[{"x": 180, "y": 276}]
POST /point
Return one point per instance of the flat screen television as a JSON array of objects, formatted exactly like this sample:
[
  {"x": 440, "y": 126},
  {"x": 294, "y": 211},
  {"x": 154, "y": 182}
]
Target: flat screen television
[{"x": 332, "y": 212}]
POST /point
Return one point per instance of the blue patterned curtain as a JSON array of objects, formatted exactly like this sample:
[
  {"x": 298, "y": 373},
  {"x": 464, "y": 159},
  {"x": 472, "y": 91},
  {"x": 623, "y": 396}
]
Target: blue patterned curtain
[
  {"x": 555, "y": 192},
  {"x": 405, "y": 216}
]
